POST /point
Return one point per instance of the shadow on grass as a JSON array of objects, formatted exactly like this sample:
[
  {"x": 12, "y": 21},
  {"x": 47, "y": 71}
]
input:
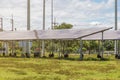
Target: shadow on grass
[
  {"x": 69, "y": 58},
  {"x": 96, "y": 59},
  {"x": 84, "y": 59}
]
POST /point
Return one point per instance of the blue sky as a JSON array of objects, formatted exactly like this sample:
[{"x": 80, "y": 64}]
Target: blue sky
[
  {"x": 80, "y": 13},
  {"x": 98, "y": 1}
]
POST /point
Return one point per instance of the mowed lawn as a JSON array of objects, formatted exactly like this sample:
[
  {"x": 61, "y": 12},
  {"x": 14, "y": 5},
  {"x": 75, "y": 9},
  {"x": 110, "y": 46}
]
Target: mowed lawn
[{"x": 56, "y": 69}]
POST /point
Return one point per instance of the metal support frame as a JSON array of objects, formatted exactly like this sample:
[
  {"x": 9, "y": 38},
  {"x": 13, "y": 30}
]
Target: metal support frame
[
  {"x": 102, "y": 45},
  {"x": 89, "y": 47},
  {"x": 39, "y": 48},
  {"x": 118, "y": 47},
  {"x": 66, "y": 45},
  {"x": 59, "y": 50},
  {"x": 23, "y": 45},
  {"x": 7, "y": 48},
  {"x": 115, "y": 47},
  {"x": 23, "y": 51},
  {"x": 2, "y": 46},
  {"x": 28, "y": 49},
  {"x": 51, "y": 46},
  {"x": 81, "y": 46},
  {"x": 43, "y": 48},
  {"x": 63, "y": 47},
  {"x": 98, "y": 46},
  {"x": 12, "y": 50}
]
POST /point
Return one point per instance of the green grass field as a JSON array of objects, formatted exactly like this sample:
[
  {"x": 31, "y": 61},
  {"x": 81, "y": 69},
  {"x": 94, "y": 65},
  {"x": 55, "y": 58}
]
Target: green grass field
[{"x": 56, "y": 69}]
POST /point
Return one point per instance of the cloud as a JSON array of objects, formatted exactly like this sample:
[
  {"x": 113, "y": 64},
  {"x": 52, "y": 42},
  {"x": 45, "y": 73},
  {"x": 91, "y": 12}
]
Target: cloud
[{"x": 79, "y": 12}]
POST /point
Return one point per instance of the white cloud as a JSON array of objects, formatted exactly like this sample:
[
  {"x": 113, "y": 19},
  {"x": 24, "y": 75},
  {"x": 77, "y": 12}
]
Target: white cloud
[{"x": 70, "y": 11}]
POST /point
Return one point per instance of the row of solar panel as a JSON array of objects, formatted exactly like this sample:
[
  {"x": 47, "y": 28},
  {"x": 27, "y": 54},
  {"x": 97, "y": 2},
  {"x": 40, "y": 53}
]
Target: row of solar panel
[{"x": 67, "y": 34}]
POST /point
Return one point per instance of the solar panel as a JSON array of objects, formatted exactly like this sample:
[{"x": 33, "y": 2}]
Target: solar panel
[
  {"x": 108, "y": 35},
  {"x": 50, "y": 34},
  {"x": 69, "y": 33},
  {"x": 17, "y": 35}
]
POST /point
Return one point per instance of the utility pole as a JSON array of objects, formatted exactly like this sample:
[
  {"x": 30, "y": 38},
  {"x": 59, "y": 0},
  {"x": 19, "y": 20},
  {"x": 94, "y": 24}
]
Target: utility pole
[
  {"x": 43, "y": 42},
  {"x": 28, "y": 28},
  {"x": 116, "y": 27},
  {"x": 28, "y": 14},
  {"x": 44, "y": 1},
  {"x": 55, "y": 22},
  {"x": 12, "y": 23},
  {"x": 1, "y": 19},
  {"x": 52, "y": 27},
  {"x": 116, "y": 15}
]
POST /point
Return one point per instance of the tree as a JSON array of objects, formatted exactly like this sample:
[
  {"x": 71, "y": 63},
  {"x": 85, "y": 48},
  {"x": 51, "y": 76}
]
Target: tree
[{"x": 63, "y": 26}]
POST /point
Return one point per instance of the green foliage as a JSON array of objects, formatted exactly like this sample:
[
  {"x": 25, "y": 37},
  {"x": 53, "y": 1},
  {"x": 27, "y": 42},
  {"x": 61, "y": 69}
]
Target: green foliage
[
  {"x": 84, "y": 49},
  {"x": 109, "y": 45},
  {"x": 63, "y": 26},
  {"x": 72, "y": 46},
  {"x": 0, "y": 44}
]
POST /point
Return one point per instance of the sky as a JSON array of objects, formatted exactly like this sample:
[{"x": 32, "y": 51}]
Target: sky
[{"x": 79, "y": 13}]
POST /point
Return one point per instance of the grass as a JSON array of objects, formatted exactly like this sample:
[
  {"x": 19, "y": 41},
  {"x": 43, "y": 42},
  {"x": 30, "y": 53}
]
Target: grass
[{"x": 90, "y": 68}]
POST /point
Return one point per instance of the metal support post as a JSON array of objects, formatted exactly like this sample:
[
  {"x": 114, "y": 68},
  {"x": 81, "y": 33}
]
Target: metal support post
[
  {"x": 39, "y": 48},
  {"x": 52, "y": 46},
  {"x": 81, "y": 46},
  {"x": 118, "y": 47},
  {"x": 59, "y": 49},
  {"x": 99, "y": 47},
  {"x": 43, "y": 48},
  {"x": 102, "y": 45}
]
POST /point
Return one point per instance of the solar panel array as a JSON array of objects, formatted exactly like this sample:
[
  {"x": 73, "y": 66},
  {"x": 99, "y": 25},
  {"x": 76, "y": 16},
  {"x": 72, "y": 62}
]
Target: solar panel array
[
  {"x": 69, "y": 33},
  {"x": 52, "y": 34}
]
